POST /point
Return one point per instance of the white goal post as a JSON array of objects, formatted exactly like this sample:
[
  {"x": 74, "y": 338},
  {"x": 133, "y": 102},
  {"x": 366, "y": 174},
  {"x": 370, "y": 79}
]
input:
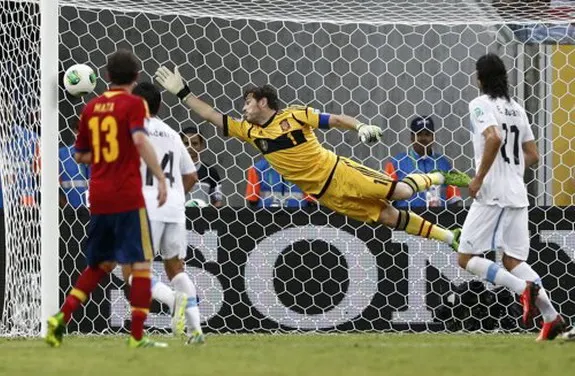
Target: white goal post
[
  {"x": 49, "y": 229},
  {"x": 384, "y": 62}
]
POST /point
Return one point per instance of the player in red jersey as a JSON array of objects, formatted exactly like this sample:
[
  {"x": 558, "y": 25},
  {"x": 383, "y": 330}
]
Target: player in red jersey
[{"x": 112, "y": 138}]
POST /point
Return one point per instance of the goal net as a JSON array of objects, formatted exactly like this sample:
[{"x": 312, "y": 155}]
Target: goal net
[
  {"x": 276, "y": 268},
  {"x": 19, "y": 162}
]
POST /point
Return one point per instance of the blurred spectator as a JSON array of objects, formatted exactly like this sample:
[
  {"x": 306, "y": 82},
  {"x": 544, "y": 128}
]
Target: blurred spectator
[
  {"x": 539, "y": 21},
  {"x": 267, "y": 188},
  {"x": 208, "y": 189},
  {"x": 19, "y": 102},
  {"x": 23, "y": 175},
  {"x": 420, "y": 158},
  {"x": 73, "y": 177},
  {"x": 21, "y": 147}
]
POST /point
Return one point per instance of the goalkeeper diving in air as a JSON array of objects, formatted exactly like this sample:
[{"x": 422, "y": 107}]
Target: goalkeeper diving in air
[{"x": 286, "y": 138}]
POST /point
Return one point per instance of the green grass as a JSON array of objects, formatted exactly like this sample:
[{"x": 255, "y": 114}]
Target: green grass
[{"x": 294, "y": 355}]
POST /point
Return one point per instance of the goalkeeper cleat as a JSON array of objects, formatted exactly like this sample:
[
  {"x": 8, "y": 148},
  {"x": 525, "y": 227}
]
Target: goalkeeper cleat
[
  {"x": 179, "y": 314},
  {"x": 144, "y": 342},
  {"x": 456, "y": 235},
  {"x": 197, "y": 338},
  {"x": 56, "y": 327},
  {"x": 528, "y": 300},
  {"x": 456, "y": 178},
  {"x": 552, "y": 329}
]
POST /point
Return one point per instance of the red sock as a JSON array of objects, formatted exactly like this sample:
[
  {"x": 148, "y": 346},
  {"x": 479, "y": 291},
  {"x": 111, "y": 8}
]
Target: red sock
[
  {"x": 140, "y": 300},
  {"x": 85, "y": 284}
]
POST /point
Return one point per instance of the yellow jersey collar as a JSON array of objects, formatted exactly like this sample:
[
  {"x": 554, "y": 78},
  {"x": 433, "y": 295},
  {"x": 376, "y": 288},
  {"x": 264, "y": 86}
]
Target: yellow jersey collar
[{"x": 269, "y": 120}]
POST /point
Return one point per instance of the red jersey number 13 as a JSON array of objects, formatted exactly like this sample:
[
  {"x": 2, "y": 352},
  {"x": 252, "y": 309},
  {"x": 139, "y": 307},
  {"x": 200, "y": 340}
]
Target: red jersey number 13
[{"x": 104, "y": 139}]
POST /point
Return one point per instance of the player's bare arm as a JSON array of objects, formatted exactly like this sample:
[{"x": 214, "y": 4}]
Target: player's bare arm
[
  {"x": 367, "y": 133},
  {"x": 493, "y": 142},
  {"x": 148, "y": 154},
  {"x": 343, "y": 122},
  {"x": 189, "y": 181},
  {"x": 85, "y": 158},
  {"x": 531, "y": 153},
  {"x": 173, "y": 82}
]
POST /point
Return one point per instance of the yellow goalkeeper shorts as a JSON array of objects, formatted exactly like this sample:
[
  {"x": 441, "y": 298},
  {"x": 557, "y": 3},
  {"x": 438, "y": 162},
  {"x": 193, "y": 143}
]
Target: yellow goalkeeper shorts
[{"x": 357, "y": 191}]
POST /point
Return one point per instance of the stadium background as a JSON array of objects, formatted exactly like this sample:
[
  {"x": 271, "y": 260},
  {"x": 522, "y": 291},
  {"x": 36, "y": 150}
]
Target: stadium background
[{"x": 383, "y": 74}]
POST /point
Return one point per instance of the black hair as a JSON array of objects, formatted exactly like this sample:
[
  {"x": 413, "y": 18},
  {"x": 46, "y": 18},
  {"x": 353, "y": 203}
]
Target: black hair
[
  {"x": 492, "y": 74},
  {"x": 151, "y": 94},
  {"x": 266, "y": 91},
  {"x": 122, "y": 67},
  {"x": 192, "y": 131}
]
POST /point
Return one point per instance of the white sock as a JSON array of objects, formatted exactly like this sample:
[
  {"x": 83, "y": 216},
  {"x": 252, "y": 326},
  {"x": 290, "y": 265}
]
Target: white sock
[
  {"x": 524, "y": 271},
  {"x": 449, "y": 238},
  {"x": 491, "y": 272},
  {"x": 163, "y": 293},
  {"x": 439, "y": 176},
  {"x": 183, "y": 283}
]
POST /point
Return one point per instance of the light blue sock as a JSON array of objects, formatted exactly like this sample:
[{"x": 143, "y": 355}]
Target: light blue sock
[
  {"x": 162, "y": 293},
  {"x": 491, "y": 272}
]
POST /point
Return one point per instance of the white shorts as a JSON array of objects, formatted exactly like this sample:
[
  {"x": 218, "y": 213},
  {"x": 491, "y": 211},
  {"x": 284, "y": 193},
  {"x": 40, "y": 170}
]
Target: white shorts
[
  {"x": 169, "y": 239},
  {"x": 490, "y": 227}
]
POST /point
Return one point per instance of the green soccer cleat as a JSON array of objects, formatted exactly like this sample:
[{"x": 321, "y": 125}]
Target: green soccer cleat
[
  {"x": 179, "y": 314},
  {"x": 144, "y": 342},
  {"x": 197, "y": 338},
  {"x": 456, "y": 178},
  {"x": 56, "y": 327},
  {"x": 456, "y": 235}
]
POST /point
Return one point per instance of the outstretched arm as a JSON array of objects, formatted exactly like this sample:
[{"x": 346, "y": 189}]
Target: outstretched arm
[
  {"x": 173, "y": 82},
  {"x": 343, "y": 122},
  {"x": 367, "y": 133}
]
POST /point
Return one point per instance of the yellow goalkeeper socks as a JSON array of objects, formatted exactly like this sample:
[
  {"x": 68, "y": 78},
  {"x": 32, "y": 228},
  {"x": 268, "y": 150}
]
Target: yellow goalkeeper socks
[
  {"x": 422, "y": 182},
  {"x": 415, "y": 225}
]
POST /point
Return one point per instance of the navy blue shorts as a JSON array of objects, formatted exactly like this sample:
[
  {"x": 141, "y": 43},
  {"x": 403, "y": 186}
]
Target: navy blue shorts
[{"x": 122, "y": 237}]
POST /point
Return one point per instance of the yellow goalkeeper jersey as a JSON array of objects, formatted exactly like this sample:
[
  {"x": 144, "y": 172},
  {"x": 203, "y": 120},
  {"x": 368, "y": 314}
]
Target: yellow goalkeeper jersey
[{"x": 289, "y": 144}]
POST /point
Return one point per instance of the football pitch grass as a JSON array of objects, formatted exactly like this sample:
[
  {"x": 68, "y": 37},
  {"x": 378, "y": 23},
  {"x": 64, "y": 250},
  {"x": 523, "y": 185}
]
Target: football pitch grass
[{"x": 293, "y": 355}]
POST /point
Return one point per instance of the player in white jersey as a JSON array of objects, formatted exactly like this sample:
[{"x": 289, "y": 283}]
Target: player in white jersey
[
  {"x": 504, "y": 145},
  {"x": 168, "y": 223}
]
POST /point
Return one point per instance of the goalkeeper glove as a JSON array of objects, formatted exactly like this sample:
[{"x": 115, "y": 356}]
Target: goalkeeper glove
[
  {"x": 368, "y": 133},
  {"x": 172, "y": 82}
]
